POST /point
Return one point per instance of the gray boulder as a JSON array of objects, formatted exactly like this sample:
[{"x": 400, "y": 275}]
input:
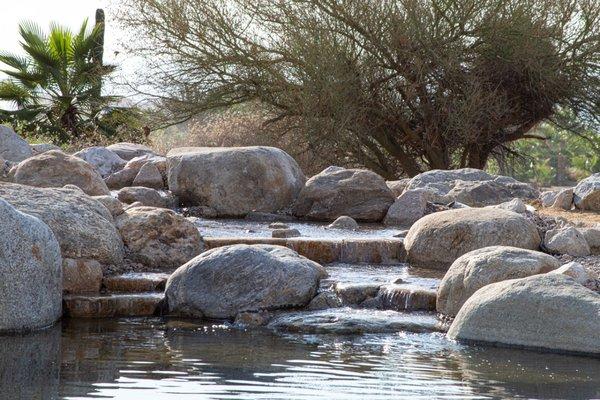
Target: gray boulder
[
  {"x": 479, "y": 268},
  {"x": 236, "y": 180},
  {"x": 410, "y": 206},
  {"x": 586, "y": 194},
  {"x": 574, "y": 270},
  {"x": 344, "y": 222},
  {"x": 566, "y": 240},
  {"x": 397, "y": 187},
  {"x": 592, "y": 237},
  {"x": 515, "y": 205},
  {"x": 30, "y": 272},
  {"x": 114, "y": 206},
  {"x": 83, "y": 227},
  {"x": 12, "y": 146},
  {"x": 436, "y": 240},
  {"x": 127, "y": 151},
  {"x": 472, "y": 187},
  {"x": 357, "y": 193},
  {"x": 548, "y": 311},
  {"x": 40, "y": 148},
  {"x": 57, "y": 169},
  {"x": 564, "y": 199},
  {"x": 225, "y": 281},
  {"x": 159, "y": 238},
  {"x": 149, "y": 176},
  {"x": 547, "y": 198},
  {"x": 146, "y": 196},
  {"x": 104, "y": 160}
]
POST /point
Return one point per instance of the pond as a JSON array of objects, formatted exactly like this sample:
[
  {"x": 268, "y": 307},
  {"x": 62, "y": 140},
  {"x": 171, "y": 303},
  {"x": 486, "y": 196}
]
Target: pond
[{"x": 158, "y": 358}]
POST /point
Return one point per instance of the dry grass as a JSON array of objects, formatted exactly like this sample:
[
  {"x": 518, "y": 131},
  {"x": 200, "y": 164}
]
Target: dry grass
[{"x": 581, "y": 218}]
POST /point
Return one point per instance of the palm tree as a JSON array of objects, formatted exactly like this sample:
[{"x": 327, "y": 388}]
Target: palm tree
[{"x": 53, "y": 88}]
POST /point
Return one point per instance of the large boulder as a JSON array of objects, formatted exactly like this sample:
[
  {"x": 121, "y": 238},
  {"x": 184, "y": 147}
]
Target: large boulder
[
  {"x": 12, "y": 146},
  {"x": 146, "y": 196},
  {"x": 235, "y": 180},
  {"x": 39, "y": 148},
  {"x": 397, "y": 187},
  {"x": 586, "y": 194},
  {"x": 127, "y": 151},
  {"x": 83, "y": 226},
  {"x": 104, "y": 160},
  {"x": 567, "y": 240},
  {"x": 357, "y": 193},
  {"x": 436, "y": 240},
  {"x": 30, "y": 272},
  {"x": 149, "y": 176},
  {"x": 159, "y": 238},
  {"x": 548, "y": 311},
  {"x": 472, "y": 187},
  {"x": 225, "y": 281},
  {"x": 57, "y": 169},
  {"x": 479, "y": 268},
  {"x": 409, "y": 207}
]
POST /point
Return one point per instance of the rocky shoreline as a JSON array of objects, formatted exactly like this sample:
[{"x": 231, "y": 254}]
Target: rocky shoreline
[{"x": 121, "y": 231}]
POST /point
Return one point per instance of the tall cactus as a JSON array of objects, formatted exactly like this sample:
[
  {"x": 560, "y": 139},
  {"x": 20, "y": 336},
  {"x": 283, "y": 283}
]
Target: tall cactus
[{"x": 98, "y": 53}]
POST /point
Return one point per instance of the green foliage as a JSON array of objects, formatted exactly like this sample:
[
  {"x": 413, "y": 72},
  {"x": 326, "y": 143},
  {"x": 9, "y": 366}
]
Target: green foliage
[
  {"x": 562, "y": 158},
  {"x": 52, "y": 88}
]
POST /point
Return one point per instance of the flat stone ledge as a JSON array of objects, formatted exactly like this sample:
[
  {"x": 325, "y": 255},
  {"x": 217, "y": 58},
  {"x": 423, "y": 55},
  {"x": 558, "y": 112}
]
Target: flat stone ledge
[
  {"x": 112, "y": 305},
  {"x": 135, "y": 282},
  {"x": 373, "y": 251}
]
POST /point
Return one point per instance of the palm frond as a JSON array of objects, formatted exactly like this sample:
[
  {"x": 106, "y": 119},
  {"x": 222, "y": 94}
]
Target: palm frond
[
  {"x": 13, "y": 92},
  {"x": 14, "y": 61}
]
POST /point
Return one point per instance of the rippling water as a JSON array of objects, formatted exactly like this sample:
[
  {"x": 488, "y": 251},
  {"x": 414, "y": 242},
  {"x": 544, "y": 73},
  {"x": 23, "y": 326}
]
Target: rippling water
[{"x": 173, "y": 359}]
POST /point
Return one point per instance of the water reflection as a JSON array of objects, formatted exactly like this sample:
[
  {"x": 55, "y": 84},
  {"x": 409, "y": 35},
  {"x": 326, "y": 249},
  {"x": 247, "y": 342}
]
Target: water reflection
[
  {"x": 158, "y": 359},
  {"x": 30, "y": 365}
]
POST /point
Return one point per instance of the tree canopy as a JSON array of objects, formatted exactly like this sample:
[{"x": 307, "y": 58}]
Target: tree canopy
[{"x": 399, "y": 86}]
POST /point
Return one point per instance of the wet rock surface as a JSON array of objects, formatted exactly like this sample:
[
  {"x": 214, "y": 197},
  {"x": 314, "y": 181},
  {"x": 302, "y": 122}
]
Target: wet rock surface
[
  {"x": 135, "y": 282},
  {"x": 81, "y": 276},
  {"x": 350, "y": 321},
  {"x": 112, "y": 305}
]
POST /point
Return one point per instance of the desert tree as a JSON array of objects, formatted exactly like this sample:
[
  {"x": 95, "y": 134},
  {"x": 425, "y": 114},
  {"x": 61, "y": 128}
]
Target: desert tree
[{"x": 399, "y": 86}]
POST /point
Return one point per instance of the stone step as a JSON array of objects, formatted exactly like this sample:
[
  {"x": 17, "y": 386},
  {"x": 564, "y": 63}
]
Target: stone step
[
  {"x": 135, "y": 282},
  {"x": 407, "y": 298},
  {"x": 353, "y": 250},
  {"x": 112, "y": 305}
]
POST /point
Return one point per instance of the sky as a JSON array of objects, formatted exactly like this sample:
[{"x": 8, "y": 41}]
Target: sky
[{"x": 67, "y": 12}]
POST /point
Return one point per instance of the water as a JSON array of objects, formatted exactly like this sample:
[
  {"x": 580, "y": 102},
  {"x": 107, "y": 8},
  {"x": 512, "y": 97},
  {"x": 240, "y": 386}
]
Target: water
[
  {"x": 173, "y": 359},
  {"x": 381, "y": 273},
  {"x": 253, "y": 229}
]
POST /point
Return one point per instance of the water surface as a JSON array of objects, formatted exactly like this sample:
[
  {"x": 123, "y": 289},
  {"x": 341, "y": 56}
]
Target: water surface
[{"x": 177, "y": 359}]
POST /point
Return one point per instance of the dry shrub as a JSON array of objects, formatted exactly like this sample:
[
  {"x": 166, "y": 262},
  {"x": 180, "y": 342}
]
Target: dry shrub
[{"x": 241, "y": 128}]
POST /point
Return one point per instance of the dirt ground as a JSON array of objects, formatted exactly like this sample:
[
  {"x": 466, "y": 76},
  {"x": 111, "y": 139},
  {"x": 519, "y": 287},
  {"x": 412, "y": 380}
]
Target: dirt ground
[{"x": 579, "y": 218}]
